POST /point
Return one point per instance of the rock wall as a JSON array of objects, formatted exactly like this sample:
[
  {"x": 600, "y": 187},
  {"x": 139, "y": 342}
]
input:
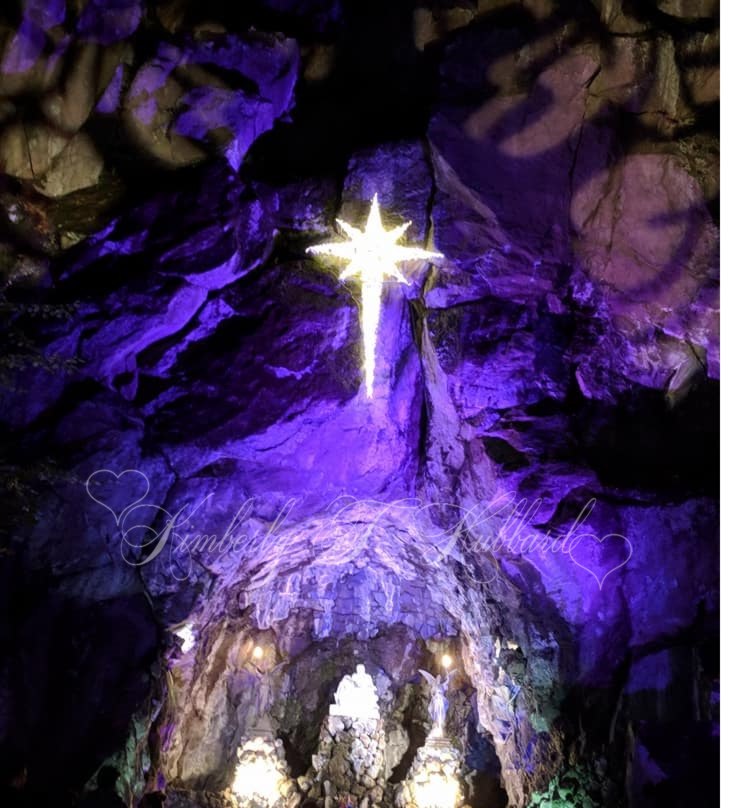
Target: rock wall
[
  {"x": 350, "y": 761},
  {"x": 164, "y": 169}
]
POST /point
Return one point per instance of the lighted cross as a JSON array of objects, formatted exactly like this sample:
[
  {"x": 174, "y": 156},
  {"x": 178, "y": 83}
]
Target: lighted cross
[{"x": 373, "y": 255}]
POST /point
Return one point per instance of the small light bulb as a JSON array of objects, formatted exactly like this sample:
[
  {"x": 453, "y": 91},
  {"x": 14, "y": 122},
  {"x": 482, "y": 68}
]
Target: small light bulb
[
  {"x": 447, "y": 661},
  {"x": 187, "y": 635},
  {"x": 258, "y": 652}
]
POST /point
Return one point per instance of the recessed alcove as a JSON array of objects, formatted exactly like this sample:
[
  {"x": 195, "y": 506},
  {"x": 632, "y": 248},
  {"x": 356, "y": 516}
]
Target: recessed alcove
[{"x": 252, "y": 671}]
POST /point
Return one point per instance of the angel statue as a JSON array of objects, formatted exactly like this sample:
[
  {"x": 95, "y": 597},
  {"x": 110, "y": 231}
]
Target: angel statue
[{"x": 439, "y": 704}]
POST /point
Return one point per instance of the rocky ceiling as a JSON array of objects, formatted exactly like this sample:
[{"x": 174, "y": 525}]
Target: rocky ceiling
[{"x": 186, "y": 439}]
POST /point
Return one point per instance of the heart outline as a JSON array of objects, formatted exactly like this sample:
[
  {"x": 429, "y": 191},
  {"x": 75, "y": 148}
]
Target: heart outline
[
  {"x": 601, "y": 581},
  {"x": 117, "y": 477}
]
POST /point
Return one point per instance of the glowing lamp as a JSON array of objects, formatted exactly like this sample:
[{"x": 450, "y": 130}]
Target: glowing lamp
[
  {"x": 258, "y": 652},
  {"x": 187, "y": 635},
  {"x": 373, "y": 255},
  {"x": 446, "y": 661},
  {"x": 437, "y": 791},
  {"x": 257, "y": 777}
]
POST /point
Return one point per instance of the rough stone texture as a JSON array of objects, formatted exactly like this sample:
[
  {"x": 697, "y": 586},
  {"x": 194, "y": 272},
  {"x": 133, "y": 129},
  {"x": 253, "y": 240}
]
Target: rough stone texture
[
  {"x": 174, "y": 107},
  {"x": 78, "y": 165},
  {"x": 561, "y": 360},
  {"x": 350, "y": 760},
  {"x": 180, "y": 798}
]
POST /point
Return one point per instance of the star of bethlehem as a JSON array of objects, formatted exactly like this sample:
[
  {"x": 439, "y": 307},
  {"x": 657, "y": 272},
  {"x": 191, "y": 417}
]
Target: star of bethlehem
[{"x": 373, "y": 255}]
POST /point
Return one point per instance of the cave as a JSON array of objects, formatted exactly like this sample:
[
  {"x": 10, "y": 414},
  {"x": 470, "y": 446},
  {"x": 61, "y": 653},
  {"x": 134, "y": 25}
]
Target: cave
[{"x": 359, "y": 404}]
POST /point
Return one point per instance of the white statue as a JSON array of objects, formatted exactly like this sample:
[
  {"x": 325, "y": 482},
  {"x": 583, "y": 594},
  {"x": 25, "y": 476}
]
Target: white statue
[
  {"x": 439, "y": 704},
  {"x": 356, "y": 696}
]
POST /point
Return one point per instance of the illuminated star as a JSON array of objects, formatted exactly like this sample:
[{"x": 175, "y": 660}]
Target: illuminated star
[{"x": 372, "y": 254}]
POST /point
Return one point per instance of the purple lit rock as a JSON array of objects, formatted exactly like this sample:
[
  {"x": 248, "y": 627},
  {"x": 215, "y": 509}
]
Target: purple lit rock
[
  {"x": 111, "y": 97},
  {"x": 25, "y": 67},
  {"x": 107, "y": 23},
  {"x": 647, "y": 264},
  {"x": 23, "y": 55},
  {"x": 400, "y": 175},
  {"x": 69, "y": 105},
  {"x": 519, "y": 185},
  {"x": 174, "y": 123},
  {"x": 45, "y": 13},
  {"x": 562, "y": 353}
]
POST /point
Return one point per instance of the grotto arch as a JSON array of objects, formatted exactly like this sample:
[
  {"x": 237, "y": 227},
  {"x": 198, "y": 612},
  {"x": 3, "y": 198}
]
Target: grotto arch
[{"x": 275, "y": 635}]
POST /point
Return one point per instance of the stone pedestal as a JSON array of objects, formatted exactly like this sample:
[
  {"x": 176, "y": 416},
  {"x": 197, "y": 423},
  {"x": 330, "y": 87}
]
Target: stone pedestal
[
  {"x": 350, "y": 761},
  {"x": 434, "y": 780}
]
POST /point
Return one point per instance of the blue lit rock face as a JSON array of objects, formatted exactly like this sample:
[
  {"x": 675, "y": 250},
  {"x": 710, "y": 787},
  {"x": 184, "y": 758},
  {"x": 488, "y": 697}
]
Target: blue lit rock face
[{"x": 554, "y": 375}]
